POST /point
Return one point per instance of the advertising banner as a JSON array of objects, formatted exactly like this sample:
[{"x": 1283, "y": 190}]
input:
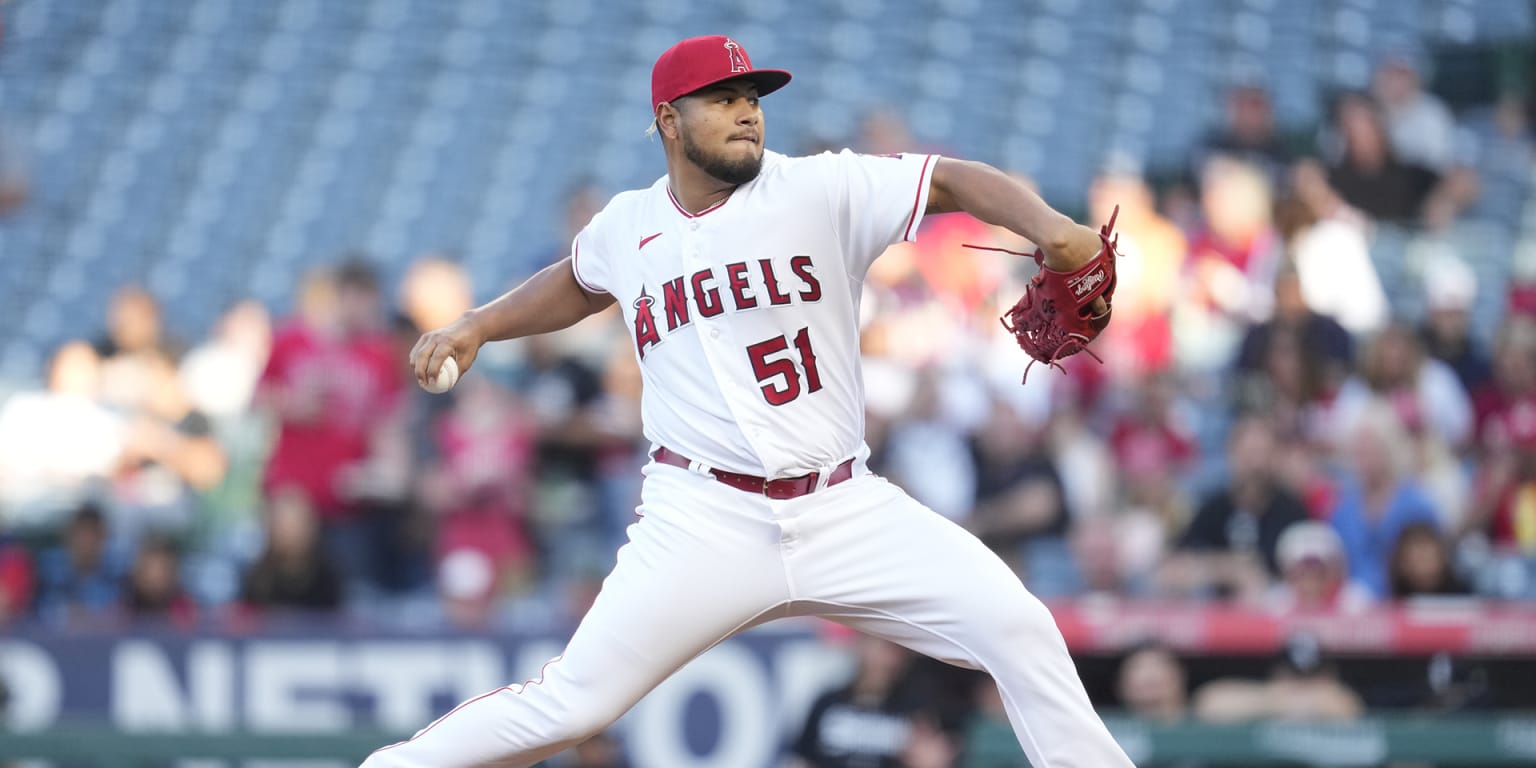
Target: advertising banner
[{"x": 734, "y": 706}]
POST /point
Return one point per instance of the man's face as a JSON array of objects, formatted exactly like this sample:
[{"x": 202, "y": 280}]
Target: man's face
[
  {"x": 1250, "y": 451},
  {"x": 1314, "y": 579},
  {"x": 359, "y": 307},
  {"x": 85, "y": 541},
  {"x": 1248, "y": 109},
  {"x": 721, "y": 129},
  {"x": 1151, "y": 680},
  {"x": 1396, "y": 83},
  {"x": 1290, "y": 302},
  {"x": 134, "y": 320},
  {"x": 1363, "y": 136}
]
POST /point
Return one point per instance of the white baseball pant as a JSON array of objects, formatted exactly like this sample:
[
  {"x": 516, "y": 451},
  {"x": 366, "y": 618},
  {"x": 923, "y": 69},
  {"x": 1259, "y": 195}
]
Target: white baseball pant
[{"x": 706, "y": 561}]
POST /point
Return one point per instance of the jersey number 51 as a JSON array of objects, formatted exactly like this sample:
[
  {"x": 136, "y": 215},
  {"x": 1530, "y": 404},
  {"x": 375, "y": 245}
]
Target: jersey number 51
[{"x": 768, "y": 371}]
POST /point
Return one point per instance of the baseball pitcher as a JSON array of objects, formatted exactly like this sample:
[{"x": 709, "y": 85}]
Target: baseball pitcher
[{"x": 739, "y": 275}]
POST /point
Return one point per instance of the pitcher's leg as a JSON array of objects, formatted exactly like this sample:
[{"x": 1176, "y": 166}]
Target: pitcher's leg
[
  {"x": 691, "y": 575},
  {"x": 886, "y": 565}
]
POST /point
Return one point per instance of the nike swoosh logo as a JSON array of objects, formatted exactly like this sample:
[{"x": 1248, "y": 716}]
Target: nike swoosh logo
[{"x": 645, "y": 240}]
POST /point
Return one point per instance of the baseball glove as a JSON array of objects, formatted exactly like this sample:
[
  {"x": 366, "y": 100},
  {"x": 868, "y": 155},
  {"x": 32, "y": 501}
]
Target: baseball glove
[{"x": 1054, "y": 319}]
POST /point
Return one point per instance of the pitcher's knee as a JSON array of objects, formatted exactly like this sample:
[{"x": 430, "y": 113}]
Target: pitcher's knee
[{"x": 1022, "y": 614}]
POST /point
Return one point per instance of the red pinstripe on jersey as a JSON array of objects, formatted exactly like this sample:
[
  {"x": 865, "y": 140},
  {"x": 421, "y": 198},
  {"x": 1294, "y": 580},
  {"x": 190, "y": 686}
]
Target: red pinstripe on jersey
[
  {"x": 576, "y": 270},
  {"x": 918, "y": 198}
]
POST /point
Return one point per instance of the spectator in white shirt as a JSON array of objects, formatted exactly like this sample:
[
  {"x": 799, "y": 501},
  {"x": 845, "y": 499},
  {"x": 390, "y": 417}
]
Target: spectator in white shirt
[
  {"x": 1420, "y": 127},
  {"x": 57, "y": 444}
]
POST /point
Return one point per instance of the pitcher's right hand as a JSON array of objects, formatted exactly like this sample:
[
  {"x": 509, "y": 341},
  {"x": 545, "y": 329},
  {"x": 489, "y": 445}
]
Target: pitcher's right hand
[{"x": 460, "y": 340}]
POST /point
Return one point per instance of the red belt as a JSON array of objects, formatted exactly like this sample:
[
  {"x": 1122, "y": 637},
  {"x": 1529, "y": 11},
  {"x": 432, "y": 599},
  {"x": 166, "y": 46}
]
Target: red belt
[{"x": 779, "y": 488}]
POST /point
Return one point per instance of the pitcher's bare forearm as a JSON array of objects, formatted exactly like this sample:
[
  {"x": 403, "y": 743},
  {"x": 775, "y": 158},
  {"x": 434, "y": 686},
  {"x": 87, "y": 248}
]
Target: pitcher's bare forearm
[
  {"x": 548, "y": 301},
  {"x": 996, "y": 198},
  {"x": 551, "y": 300}
]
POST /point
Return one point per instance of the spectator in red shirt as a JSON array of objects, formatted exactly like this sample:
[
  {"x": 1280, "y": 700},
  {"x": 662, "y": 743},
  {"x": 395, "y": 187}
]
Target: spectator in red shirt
[
  {"x": 481, "y": 487},
  {"x": 1505, "y": 406},
  {"x": 1504, "y": 495},
  {"x": 333, "y": 381},
  {"x": 1153, "y": 446},
  {"x": 1235, "y": 254},
  {"x": 17, "y": 582},
  {"x": 1231, "y": 263},
  {"x": 1508, "y": 494}
]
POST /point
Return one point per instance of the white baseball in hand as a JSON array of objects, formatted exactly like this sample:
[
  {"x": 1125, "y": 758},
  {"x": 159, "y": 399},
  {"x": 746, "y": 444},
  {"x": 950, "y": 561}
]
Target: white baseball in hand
[{"x": 446, "y": 377}]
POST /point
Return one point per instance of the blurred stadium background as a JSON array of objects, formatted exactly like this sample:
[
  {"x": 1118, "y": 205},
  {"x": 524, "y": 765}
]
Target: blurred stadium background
[{"x": 1291, "y": 520}]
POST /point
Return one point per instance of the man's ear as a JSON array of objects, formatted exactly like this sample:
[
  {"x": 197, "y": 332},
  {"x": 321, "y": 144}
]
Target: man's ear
[{"x": 667, "y": 119}]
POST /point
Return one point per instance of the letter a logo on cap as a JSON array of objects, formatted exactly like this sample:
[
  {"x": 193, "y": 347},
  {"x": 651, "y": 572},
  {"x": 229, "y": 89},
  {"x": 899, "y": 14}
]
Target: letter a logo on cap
[
  {"x": 738, "y": 60},
  {"x": 694, "y": 64}
]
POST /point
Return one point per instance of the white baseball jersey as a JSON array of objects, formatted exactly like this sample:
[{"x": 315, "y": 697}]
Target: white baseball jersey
[{"x": 745, "y": 315}]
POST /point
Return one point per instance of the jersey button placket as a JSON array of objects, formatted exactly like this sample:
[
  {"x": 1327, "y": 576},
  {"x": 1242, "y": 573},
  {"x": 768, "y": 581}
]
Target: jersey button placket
[{"x": 716, "y": 351}]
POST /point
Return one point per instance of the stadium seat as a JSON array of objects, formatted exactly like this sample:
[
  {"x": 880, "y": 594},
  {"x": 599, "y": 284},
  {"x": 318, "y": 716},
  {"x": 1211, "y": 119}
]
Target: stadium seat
[{"x": 292, "y": 131}]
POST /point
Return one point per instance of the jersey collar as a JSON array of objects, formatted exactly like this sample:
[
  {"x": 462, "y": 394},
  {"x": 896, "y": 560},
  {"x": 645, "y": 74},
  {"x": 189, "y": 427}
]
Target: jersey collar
[{"x": 710, "y": 209}]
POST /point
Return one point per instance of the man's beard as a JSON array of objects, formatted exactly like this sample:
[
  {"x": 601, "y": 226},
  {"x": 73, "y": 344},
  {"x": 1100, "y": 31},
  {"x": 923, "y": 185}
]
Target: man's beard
[{"x": 737, "y": 172}]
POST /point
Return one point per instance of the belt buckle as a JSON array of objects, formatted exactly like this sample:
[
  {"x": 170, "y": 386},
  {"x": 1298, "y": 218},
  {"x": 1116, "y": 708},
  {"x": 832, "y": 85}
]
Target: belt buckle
[
  {"x": 794, "y": 489},
  {"x": 768, "y": 489}
]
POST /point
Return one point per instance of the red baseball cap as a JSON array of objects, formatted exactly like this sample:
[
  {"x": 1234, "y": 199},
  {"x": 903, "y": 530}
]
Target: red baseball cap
[{"x": 703, "y": 61}]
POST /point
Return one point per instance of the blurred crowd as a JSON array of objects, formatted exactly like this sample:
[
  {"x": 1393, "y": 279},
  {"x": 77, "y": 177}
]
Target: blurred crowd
[
  {"x": 1267, "y": 426},
  {"x": 289, "y": 465}
]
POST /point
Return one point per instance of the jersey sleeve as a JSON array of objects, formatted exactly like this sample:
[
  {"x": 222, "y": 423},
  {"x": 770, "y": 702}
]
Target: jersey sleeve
[
  {"x": 880, "y": 201},
  {"x": 588, "y": 260}
]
